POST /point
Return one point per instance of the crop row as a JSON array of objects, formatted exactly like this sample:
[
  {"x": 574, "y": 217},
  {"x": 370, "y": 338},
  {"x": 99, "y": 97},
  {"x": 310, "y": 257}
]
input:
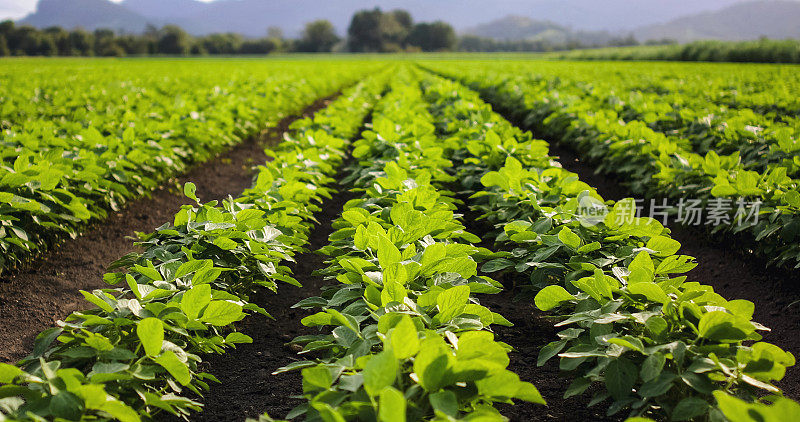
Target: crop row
[
  {"x": 78, "y": 142},
  {"x": 138, "y": 351},
  {"x": 765, "y": 203},
  {"x": 657, "y": 345},
  {"x": 405, "y": 336}
]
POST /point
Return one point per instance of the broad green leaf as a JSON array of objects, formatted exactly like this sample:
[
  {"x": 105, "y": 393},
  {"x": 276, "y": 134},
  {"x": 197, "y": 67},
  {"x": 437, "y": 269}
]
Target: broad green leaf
[
  {"x": 190, "y": 190},
  {"x": 551, "y": 297},
  {"x": 391, "y": 406},
  {"x": 169, "y": 361},
  {"x": 404, "y": 339},
  {"x": 452, "y": 302},
  {"x": 569, "y": 238},
  {"x": 380, "y": 372},
  {"x": 620, "y": 377},
  {"x": 195, "y": 300},
  {"x": 151, "y": 334},
  {"x": 641, "y": 268},
  {"x": 664, "y": 246},
  {"x": 221, "y": 312}
]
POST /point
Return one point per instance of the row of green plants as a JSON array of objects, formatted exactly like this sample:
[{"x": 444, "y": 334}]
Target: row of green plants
[
  {"x": 754, "y": 51},
  {"x": 405, "y": 337},
  {"x": 652, "y": 344},
  {"x": 654, "y": 164},
  {"x": 137, "y": 352},
  {"x": 79, "y": 139}
]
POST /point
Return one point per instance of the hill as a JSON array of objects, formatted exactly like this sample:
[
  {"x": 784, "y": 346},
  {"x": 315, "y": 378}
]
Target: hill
[
  {"x": 745, "y": 21},
  {"x": 89, "y": 14},
  {"x": 252, "y": 17}
]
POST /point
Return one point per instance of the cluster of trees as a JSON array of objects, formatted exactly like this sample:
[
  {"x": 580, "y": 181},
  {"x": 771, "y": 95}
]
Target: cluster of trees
[
  {"x": 168, "y": 40},
  {"x": 376, "y": 31},
  {"x": 369, "y": 31}
]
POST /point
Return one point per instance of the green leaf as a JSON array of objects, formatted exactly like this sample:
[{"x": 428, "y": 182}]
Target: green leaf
[
  {"x": 388, "y": 254},
  {"x": 724, "y": 327},
  {"x": 195, "y": 300},
  {"x": 316, "y": 378},
  {"x": 404, "y": 338},
  {"x": 221, "y": 312},
  {"x": 652, "y": 366},
  {"x": 189, "y": 189},
  {"x": 689, "y": 408},
  {"x": 8, "y": 373},
  {"x": 664, "y": 246},
  {"x": 620, "y": 377},
  {"x": 151, "y": 333},
  {"x": 445, "y": 402},
  {"x": 452, "y": 302},
  {"x": 380, "y": 372},
  {"x": 169, "y": 361},
  {"x": 551, "y": 297},
  {"x": 66, "y": 405},
  {"x": 569, "y": 238},
  {"x": 641, "y": 268},
  {"x": 649, "y": 290},
  {"x": 391, "y": 406},
  {"x": 496, "y": 265}
]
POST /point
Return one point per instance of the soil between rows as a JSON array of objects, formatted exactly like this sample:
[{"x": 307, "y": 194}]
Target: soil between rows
[
  {"x": 47, "y": 290},
  {"x": 731, "y": 273},
  {"x": 248, "y": 388}
]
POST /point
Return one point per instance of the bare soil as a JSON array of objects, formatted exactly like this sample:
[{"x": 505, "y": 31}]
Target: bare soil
[{"x": 248, "y": 388}]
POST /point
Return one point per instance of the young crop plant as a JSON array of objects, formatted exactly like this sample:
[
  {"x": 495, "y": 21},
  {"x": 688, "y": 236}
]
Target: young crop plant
[
  {"x": 658, "y": 346},
  {"x": 137, "y": 353},
  {"x": 72, "y": 153},
  {"x": 677, "y": 149},
  {"x": 405, "y": 337}
]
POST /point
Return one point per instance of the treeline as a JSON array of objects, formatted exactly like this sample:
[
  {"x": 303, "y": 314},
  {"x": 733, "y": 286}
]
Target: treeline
[
  {"x": 759, "y": 51},
  {"x": 168, "y": 40},
  {"x": 369, "y": 31},
  {"x": 472, "y": 43}
]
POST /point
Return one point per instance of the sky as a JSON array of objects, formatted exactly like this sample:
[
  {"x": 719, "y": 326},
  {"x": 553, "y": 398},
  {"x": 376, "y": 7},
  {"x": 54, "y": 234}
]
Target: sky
[{"x": 15, "y": 9}]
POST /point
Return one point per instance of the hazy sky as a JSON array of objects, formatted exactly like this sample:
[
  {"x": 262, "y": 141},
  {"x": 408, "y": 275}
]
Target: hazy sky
[{"x": 15, "y": 9}]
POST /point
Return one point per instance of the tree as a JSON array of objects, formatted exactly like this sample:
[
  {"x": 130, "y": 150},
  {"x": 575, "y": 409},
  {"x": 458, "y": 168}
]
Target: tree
[
  {"x": 257, "y": 46},
  {"x": 318, "y": 37},
  {"x": 82, "y": 42},
  {"x": 364, "y": 33},
  {"x": 436, "y": 36},
  {"x": 222, "y": 43},
  {"x": 275, "y": 34},
  {"x": 395, "y": 28},
  {"x": 173, "y": 40},
  {"x": 105, "y": 44},
  {"x": 4, "y": 51}
]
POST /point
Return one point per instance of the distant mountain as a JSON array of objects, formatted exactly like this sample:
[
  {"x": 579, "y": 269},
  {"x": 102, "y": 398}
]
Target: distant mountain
[
  {"x": 515, "y": 28},
  {"x": 89, "y": 14},
  {"x": 518, "y": 28},
  {"x": 745, "y": 21},
  {"x": 253, "y": 17}
]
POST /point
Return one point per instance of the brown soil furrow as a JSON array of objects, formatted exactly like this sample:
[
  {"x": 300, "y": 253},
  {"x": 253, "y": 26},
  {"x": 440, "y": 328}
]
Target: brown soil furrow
[
  {"x": 248, "y": 388},
  {"x": 47, "y": 290}
]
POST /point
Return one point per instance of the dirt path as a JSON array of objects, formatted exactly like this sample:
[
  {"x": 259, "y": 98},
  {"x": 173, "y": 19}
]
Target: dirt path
[
  {"x": 248, "y": 388},
  {"x": 732, "y": 274},
  {"x": 47, "y": 290}
]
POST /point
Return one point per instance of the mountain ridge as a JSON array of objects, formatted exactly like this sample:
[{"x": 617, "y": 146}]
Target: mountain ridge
[{"x": 644, "y": 18}]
